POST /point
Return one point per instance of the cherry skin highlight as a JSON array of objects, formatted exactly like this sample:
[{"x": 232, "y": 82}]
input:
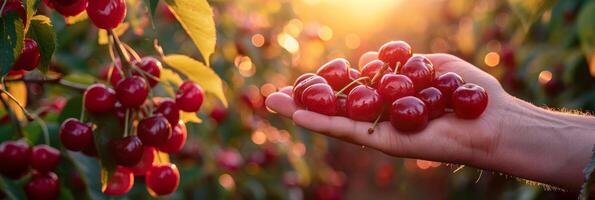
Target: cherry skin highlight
[
  {"x": 15, "y": 158},
  {"x": 151, "y": 66},
  {"x": 99, "y": 98},
  {"x": 469, "y": 101},
  {"x": 394, "y": 86},
  {"x": 409, "y": 114},
  {"x": 298, "y": 90},
  {"x": 420, "y": 70},
  {"x": 67, "y": 8},
  {"x": 154, "y": 131},
  {"x": 120, "y": 182},
  {"x": 29, "y": 57},
  {"x": 372, "y": 68},
  {"x": 320, "y": 98},
  {"x": 367, "y": 58},
  {"x": 74, "y": 135},
  {"x": 393, "y": 52},
  {"x": 435, "y": 101},
  {"x": 336, "y": 73},
  {"x": 167, "y": 107},
  {"x": 44, "y": 158},
  {"x": 177, "y": 140},
  {"x": 43, "y": 186},
  {"x": 162, "y": 179},
  {"x": 106, "y": 14},
  {"x": 127, "y": 151},
  {"x": 132, "y": 91},
  {"x": 147, "y": 161},
  {"x": 189, "y": 97},
  {"x": 447, "y": 83},
  {"x": 364, "y": 104}
]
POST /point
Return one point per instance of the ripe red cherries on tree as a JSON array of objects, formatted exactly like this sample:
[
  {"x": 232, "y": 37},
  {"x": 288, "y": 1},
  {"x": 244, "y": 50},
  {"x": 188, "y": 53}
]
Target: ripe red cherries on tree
[
  {"x": 99, "y": 98},
  {"x": 469, "y": 101},
  {"x": 44, "y": 158},
  {"x": 154, "y": 131},
  {"x": 29, "y": 57},
  {"x": 409, "y": 114},
  {"x": 120, "y": 182},
  {"x": 189, "y": 97},
  {"x": 162, "y": 179},
  {"x": 167, "y": 107},
  {"x": 320, "y": 98},
  {"x": 127, "y": 151},
  {"x": 177, "y": 140},
  {"x": 393, "y": 52},
  {"x": 67, "y": 7},
  {"x": 15, "y": 158},
  {"x": 74, "y": 135},
  {"x": 106, "y": 14},
  {"x": 150, "y": 65},
  {"x": 132, "y": 91},
  {"x": 43, "y": 185}
]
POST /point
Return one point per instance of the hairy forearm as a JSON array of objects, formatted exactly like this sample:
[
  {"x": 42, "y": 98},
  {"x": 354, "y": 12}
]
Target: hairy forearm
[{"x": 542, "y": 145}]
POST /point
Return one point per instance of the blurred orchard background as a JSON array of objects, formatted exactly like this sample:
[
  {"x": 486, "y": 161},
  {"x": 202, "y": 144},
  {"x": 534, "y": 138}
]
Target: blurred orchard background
[{"x": 541, "y": 51}]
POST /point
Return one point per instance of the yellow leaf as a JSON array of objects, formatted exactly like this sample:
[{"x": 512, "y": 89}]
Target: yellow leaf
[
  {"x": 102, "y": 39},
  {"x": 18, "y": 89},
  {"x": 170, "y": 81},
  {"x": 196, "y": 17},
  {"x": 75, "y": 19},
  {"x": 199, "y": 73},
  {"x": 189, "y": 117}
]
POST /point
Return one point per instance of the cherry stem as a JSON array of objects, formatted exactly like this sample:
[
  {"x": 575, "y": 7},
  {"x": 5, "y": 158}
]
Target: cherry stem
[
  {"x": 126, "y": 120},
  {"x": 131, "y": 51},
  {"x": 123, "y": 54},
  {"x": 397, "y": 67},
  {"x": 12, "y": 98},
  {"x": 350, "y": 84},
  {"x": 371, "y": 129},
  {"x": 13, "y": 117},
  {"x": 458, "y": 169},
  {"x": 2, "y": 8},
  {"x": 379, "y": 73},
  {"x": 82, "y": 115}
]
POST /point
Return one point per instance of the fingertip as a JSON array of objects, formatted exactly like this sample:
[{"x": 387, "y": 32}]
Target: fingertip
[
  {"x": 281, "y": 103},
  {"x": 287, "y": 90}
]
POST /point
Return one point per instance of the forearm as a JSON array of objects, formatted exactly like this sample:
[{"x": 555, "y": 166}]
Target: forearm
[{"x": 545, "y": 146}]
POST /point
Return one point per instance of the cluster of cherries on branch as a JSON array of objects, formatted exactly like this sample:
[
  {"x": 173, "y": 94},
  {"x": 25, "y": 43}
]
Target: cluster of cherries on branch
[{"x": 397, "y": 86}]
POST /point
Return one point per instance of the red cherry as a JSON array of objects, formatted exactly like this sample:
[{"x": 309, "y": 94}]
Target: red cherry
[
  {"x": 15, "y": 158},
  {"x": 150, "y": 65},
  {"x": 15, "y": 6},
  {"x": 162, "y": 179},
  {"x": 420, "y": 70},
  {"x": 302, "y": 78},
  {"x": 353, "y": 74},
  {"x": 29, "y": 57},
  {"x": 393, "y": 52},
  {"x": 469, "y": 101},
  {"x": 74, "y": 135},
  {"x": 229, "y": 159},
  {"x": 409, "y": 114},
  {"x": 43, "y": 186},
  {"x": 106, "y": 14},
  {"x": 372, "y": 68},
  {"x": 99, "y": 98},
  {"x": 154, "y": 131},
  {"x": 341, "y": 106},
  {"x": 132, "y": 91},
  {"x": 177, "y": 140},
  {"x": 320, "y": 98},
  {"x": 189, "y": 96},
  {"x": 67, "y": 7},
  {"x": 167, "y": 107},
  {"x": 115, "y": 75},
  {"x": 448, "y": 83},
  {"x": 120, "y": 182},
  {"x": 298, "y": 89},
  {"x": 16, "y": 73},
  {"x": 336, "y": 73},
  {"x": 364, "y": 104},
  {"x": 367, "y": 58},
  {"x": 44, "y": 158},
  {"x": 120, "y": 111},
  {"x": 91, "y": 149},
  {"x": 434, "y": 100},
  {"x": 394, "y": 86},
  {"x": 127, "y": 151},
  {"x": 219, "y": 113},
  {"x": 147, "y": 161}
]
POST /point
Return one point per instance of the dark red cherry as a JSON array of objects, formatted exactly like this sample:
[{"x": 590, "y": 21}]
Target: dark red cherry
[
  {"x": 372, "y": 68},
  {"x": 167, "y": 107},
  {"x": 469, "y": 101},
  {"x": 336, "y": 73},
  {"x": 74, "y": 135},
  {"x": 107, "y": 14},
  {"x": 43, "y": 186},
  {"x": 229, "y": 159},
  {"x": 189, "y": 96},
  {"x": 409, "y": 114},
  {"x": 447, "y": 83},
  {"x": 394, "y": 86},
  {"x": 364, "y": 104},
  {"x": 147, "y": 161},
  {"x": 120, "y": 111},
  {"x": 298, "y": 89},
  {"x": 120, "y": 182},
  {"x": 162, "y": 179},
  {"x": 132, "y": 91},
  {"x": 341, "y": 106},
  {"x": 15, "y": 158},
  {"x": 393, "y": 52},
  {"x": 434, "y": 100},
  {"x": 177, "y": 140},
  {"x": 154, "y": 131},
  {"x": 127, "y": 151},
  {"x": 29, "y": 57},
  {"x": 302, "y": 78},
  {"x": 99, "y": 98},
  {"x": 115, "y": 73},
  {"x": 367, "y": 58},
  {"x": 420, "y": 70},
  {"x": 219, "y": 114},
  {"x": 15, "y": 6},
  {"x": 150, "y": 65},
  {"x": 320, "y": 98},
  {"x": 91, "y": 149},
  {"x": 44, "y": 158},
  {"x": 67, "y": 7}
]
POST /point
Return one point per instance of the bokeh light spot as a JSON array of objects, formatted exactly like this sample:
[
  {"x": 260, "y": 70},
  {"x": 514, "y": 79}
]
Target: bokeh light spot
[
  {"x": 257, "y": 40},
  {"x": 545, "y": 76},
  {"x": 492, "y": 59}
]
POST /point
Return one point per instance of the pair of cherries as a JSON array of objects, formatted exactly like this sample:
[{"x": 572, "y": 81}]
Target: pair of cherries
[
  {"x": 392, "y": 85},
  {"x": 30, "y": 54},
  {"x": 105, "y": 14},
  {"x": 18, "y": 157}
]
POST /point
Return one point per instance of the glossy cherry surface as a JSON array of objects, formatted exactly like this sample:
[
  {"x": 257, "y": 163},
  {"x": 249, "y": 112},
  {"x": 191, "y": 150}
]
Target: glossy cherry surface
[
  {"x": 127, "y": 151},
  {"x": 74, "y": 135},
  {"x": 15, "y": 158},
  {"x": 341, "y": 106},
  {"x": 394, "y": 86},
  {"x": 29, "y": 57},
  {"x": 336, "y": 73},
  {"x": 469, "y": 101},
  {"x": 115, "y": 73},
  {"x": 106, "y": 14},
  {"x": 132, "y": 91},
  {"x": 120, "y": 182},
  {"x": 42, "y": 186},
  {"x": 44, "y": 158},
  {"x": 177, "y": 140},
  {"x": 99, "y": 98},
  {"x": 147, "y": 161},
  {"x": 67, "y": 8},
  {"x": 302, "y": 78},
  {"x": 420, "y": 70},
  {"x": 15, "y": 6},
  {"x": 435, "y": 101},
  {"x": 367, "y": 58},
  {"x": 162, "y": 179},
  {"x": 150, "y": 65},
  {"x": 189, "y": 96},
  {"x": 320, "y": 98},
  {"x": 409, "y": 114},
  {"x": 393, "y": 52},
  {"x": 298, "y": 89},
  {"x": 167, "y": 107},
  {"x": 372, "y": 68},
  {"x": 364, "y": 104},
  {"x": 447, "y": 83},
  {"x": 154, "y": 131}
]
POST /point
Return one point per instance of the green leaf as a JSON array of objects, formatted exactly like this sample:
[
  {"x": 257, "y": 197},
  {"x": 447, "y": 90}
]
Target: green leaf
[
  {"x": 108, "y": 128},
  {"x": 152, "y": 4},
  {"x": 11, "y": 41},
  {"x": 589, "y": 177},
  {"x": 42, "y": 31},
  {"x": 586, "y": 33},
  {"x": 11, "y": 190},
  {"x": 88, "y": 168},
  {"x": 72, "y": 108},
  {"x": 199, "y": 73},
  {"x": 530, "y": 10},
  {"x": 196, "y": 17}
]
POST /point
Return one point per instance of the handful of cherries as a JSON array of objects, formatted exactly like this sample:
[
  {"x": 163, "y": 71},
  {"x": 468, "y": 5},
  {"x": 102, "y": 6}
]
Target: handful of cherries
[{"x": 392, "y": 85}]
